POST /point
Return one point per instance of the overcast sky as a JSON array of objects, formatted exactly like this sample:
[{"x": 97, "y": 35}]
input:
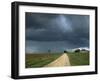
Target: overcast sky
[{"x": 57, "y": 32}]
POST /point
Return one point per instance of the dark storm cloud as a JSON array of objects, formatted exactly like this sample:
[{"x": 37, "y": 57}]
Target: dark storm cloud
[
  {"x": 72, "y": 30},
  {"x": 37, "y": 46}
]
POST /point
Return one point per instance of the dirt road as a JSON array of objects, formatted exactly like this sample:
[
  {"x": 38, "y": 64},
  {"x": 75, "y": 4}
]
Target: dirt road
[{"x": 63, "y": 60}]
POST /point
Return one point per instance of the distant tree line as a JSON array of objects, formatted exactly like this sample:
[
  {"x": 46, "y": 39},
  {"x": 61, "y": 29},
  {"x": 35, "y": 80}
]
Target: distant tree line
[{"x": 77, "y": 50}]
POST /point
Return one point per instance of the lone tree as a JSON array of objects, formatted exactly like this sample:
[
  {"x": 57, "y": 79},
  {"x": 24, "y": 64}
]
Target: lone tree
[
  {"x": 65, "y": 51},
  {"x": 49, "y": 51},
  {"x": 77, "y": 50}
]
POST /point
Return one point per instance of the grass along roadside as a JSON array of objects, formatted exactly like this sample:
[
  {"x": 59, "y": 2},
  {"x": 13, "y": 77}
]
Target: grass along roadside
[
  {"x": 80, "y": 58},
  {"x": 39, "y": 60}
]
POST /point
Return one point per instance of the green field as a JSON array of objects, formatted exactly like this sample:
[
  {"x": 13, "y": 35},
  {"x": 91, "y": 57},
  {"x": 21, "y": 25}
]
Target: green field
[
  {"x": 77, "y": 59},
  {"x": 39, "y": 60}
]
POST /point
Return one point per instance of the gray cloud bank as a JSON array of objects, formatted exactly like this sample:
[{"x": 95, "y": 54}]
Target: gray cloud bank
[{"x": 56, "y": 31}]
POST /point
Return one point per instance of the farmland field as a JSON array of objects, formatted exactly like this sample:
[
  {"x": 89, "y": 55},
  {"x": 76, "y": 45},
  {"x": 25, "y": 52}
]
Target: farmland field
[
  {"x": 40, "y": 60},
  {"x": 77, "y": 59}
]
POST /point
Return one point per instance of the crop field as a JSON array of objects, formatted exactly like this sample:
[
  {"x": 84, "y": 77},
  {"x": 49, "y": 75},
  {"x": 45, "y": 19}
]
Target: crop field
[
  {"x": 77, "y": 59},
  {"x": 39, "y": 60}
]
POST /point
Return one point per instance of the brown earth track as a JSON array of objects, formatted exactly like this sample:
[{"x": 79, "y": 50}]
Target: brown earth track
[{"x": 63, "y": 60}]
